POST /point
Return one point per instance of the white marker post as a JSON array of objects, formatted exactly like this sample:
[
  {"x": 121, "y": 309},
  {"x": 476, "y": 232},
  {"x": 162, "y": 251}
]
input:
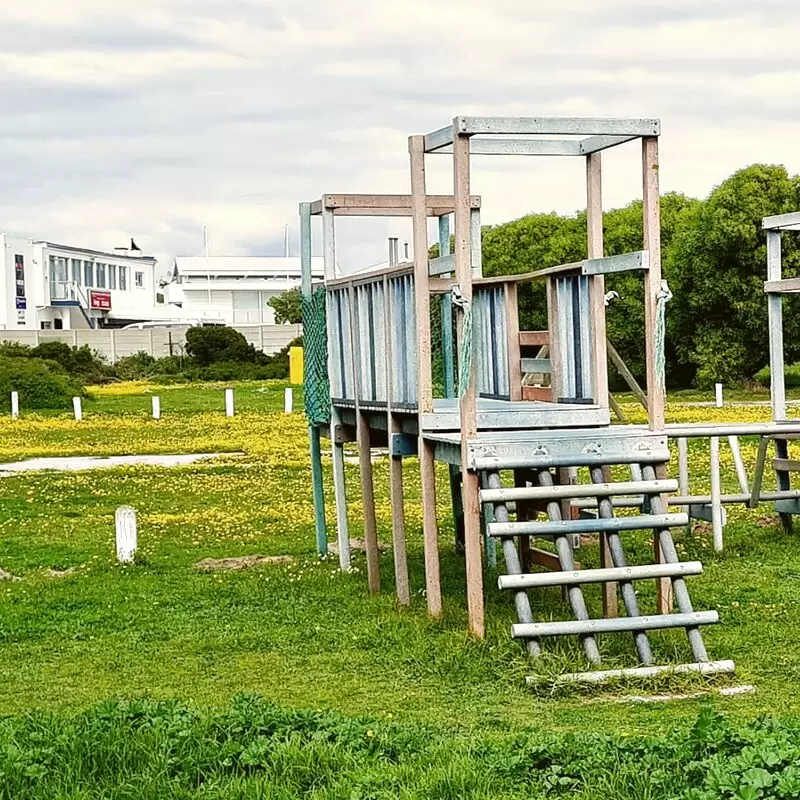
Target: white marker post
[
  {"x": 76, "y": 405},
  {"x": 229, "y": 402},
  {"x": 125, "y": 521},
  {"x": 718, "y": 391},
  {"x": 14, "y": 405},
  {"x": 288, "y": 400},
  {"x": 156, "y": 407}
]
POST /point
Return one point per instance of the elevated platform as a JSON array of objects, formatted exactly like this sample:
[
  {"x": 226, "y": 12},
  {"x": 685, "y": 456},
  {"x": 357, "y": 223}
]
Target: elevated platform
[
  {"x": 519, "y": 449},
  {"x": 492, "y": 415}
]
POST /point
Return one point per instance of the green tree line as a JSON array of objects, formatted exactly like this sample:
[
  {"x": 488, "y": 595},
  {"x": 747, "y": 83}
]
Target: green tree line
[{"x": 713, "y": 258}]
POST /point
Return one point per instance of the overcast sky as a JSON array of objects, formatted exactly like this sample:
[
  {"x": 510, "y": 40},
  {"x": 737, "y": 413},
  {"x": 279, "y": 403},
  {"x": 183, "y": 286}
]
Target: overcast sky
[{"x": 152, "y": 118}]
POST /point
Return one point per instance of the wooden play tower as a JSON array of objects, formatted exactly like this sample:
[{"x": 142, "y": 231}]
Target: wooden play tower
[{"x": 513, "y": 450}]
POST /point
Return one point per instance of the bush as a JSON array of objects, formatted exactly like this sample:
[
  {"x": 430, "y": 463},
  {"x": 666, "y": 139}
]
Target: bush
[
  {"x": 80, "y": 362},
  {"x": 791, "y": 376},
  {"x": 39, "y": 384},
  {"x": 211, "y": 345}
]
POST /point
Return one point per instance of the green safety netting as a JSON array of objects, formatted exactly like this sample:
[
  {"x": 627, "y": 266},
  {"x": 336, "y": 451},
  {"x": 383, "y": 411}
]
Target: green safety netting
[{"x": 316, "y": 387}]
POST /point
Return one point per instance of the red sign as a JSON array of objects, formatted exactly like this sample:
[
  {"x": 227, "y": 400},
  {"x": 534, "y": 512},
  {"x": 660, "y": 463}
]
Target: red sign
[{"x": 100, "y": 300}]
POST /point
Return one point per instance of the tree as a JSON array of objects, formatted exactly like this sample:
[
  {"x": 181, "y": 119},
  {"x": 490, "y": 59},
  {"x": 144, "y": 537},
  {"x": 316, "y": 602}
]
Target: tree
[
  {"x": 717, "y": 266},
  {"x": 216, "y": 344},
  {"x": 288, "y": 307}
]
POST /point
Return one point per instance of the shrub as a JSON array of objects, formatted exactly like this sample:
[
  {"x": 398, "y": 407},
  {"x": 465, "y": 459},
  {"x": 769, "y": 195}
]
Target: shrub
[
  {"x": 791, "y": 376},
  {"x": 211, "y": 345},
  {"x": 80, "y": 362},
  {"x": 137, "y": 367},
  {"x": 39, "y": 384}
]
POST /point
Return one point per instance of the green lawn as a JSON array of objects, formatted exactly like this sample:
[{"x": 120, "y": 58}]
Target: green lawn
[{"x": 306, "y": 636}]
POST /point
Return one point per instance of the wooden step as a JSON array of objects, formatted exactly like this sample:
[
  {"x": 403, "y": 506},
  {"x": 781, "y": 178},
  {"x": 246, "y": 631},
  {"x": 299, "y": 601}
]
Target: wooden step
[
  {"x": 571, "y": 526},
  {"x": 569, "y": 492},
  {"x": 602, "y": 675},
  {"x": 609, "y": 575},
  {"x": 592, "y": 627}
]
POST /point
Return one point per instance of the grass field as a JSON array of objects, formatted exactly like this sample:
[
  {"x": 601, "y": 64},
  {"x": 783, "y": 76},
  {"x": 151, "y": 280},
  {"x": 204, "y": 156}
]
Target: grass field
[{"x": 145, "y": 664}]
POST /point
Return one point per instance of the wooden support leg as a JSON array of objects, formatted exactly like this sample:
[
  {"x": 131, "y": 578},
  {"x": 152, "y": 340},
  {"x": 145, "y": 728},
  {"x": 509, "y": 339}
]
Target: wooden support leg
[
  {"x": 664, "y": 594},
  {"x": 430, "y": 531},
  {"x": 368, "y": 501},
  {"x": 398, "y": 525},
  {"x": 342, "y": 530},
  {"x": 458, "y": 510},
  {"x": 784, "y": 481},
  {"x": 319, "y": 496},
  {"x": 472, "y": 548},
  {"x": 610, "y": 590}
]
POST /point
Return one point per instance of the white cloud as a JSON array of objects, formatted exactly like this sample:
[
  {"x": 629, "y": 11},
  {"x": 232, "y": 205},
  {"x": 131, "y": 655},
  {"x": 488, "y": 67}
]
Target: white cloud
[{"x": 157, "y": 117}]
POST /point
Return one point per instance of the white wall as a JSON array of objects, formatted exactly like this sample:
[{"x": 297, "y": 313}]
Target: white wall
[
  {"x": 240, "y": 307},
  {"x": 114, "y": 344},
  {"x": 10, "y": 316}
]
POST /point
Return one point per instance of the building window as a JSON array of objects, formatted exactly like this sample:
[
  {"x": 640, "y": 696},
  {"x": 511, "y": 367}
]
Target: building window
[
  {"x": 19, "y": 274},
  {"x": 47, "y": 325},
  {"x": 58, "y": 323},
  {"x": 139, "y": 279},
  {"x": 112, "y": 276},
  {"x": 76, "y": 271},
  {"x": 123, "y": 277},
  {"x": 88, "y": 273},
  {"x": 101, "y": 276}
]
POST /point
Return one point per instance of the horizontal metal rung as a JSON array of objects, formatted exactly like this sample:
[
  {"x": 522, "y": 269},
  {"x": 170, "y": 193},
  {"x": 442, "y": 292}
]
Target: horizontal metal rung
[
  {"x": 786, "y": 465},
  {"x": 611, "y": 574},
  {"x": 602, "y": 675},
  {"x": 579, "y": 490},
  {"x": 591, "y": 627},
  {"x": 569, "y": 526}
]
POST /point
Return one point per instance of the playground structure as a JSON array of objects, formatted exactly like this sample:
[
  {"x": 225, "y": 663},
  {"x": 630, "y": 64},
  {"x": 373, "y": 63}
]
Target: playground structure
[{"x": 516, "y": 451}]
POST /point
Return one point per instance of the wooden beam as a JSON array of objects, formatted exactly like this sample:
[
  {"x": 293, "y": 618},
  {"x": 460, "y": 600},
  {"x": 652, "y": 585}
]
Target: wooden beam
[
  {"x": 512, "y": 334},
  {"x": 385, "y": 205},
  {"x": 594, "y": 229},
  {"x": 430, "y": 532},
  {"x": 467, "y": 404},
  {"x": 652, "y": 281},
  {"x": 534, "y": 338}
]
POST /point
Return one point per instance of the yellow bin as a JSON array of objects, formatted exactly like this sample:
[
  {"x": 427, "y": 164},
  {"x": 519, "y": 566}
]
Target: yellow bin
[{"x": 295, "y": 365}]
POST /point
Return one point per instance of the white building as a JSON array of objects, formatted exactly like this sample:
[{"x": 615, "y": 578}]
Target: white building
[
  {"x": 234, "y": 289},
  {"x": 53, "y": 286}
]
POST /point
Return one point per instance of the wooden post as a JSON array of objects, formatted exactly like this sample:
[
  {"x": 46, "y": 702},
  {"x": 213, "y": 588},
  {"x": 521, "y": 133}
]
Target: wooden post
[
  {"x": 652, "y": 284},
  {"x": 14, "y": 405},
  {"x": 419, "y": 217},
  {"x": 315, "y": 450},
  {"x": 470, "y": 481},
  {"x": 125, "y": 523},
  {"x": 364, "y": 456},
  {"x": 156, "y": 402},
  {"x": 77, "y": 408},
  {"x": 553, "y": 340},
  {"x": 393, "y": 426},
  {"x": 229, "y": 402},
  {"x": 512, "y": 336},
  {"x": 597, "y": 291}
]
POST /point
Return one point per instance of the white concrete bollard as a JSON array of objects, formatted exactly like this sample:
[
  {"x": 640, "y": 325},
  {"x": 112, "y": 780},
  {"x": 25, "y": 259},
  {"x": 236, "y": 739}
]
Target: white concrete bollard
[
  {"x": 125, "y": 521},
  {"x": 288, "y": 400},
  {"x": 718, "y": 391},
  {"x": 76, "y": 405},
  {"x": 229, "y": 402},
  {"x": 156, "y": 407},
  {"x": 14, "y": 405}
]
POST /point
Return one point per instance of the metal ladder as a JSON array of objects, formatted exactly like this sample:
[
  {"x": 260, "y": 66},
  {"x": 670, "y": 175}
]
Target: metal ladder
[{"x": 556, "y": 498}]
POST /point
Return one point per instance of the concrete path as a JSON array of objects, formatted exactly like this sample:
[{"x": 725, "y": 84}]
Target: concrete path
[{"x": 76, "y": 463}]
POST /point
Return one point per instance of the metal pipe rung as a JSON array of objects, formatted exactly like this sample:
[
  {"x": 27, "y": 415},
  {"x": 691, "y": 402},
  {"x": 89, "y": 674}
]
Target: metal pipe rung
[
  {"x": 570, "y": 526},
  {"x": 591, "y": 627},
  {"x": 608, "y": 575},
  {"x": 579, "y": 490},
  {"x": 600, "y": 676}
]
